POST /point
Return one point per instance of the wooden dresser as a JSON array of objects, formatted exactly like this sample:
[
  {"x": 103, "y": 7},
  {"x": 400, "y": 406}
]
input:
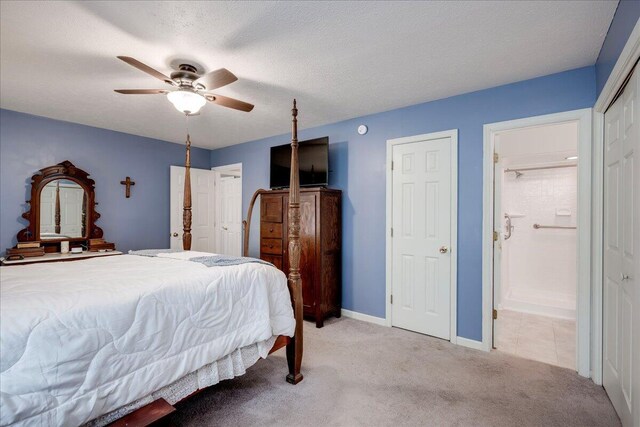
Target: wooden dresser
[{"x": 320, "y": 238}]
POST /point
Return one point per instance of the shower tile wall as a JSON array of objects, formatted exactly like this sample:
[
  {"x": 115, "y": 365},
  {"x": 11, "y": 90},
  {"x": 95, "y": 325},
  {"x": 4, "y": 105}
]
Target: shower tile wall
[{"x": 539, "y": 265}]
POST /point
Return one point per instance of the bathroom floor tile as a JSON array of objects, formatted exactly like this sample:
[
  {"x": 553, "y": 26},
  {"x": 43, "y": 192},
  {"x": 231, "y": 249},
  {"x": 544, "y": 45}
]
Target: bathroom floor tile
[{"x": 540, "y": 338}]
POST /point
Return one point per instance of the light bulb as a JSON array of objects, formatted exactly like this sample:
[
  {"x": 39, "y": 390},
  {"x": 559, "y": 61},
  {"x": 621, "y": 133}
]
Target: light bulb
[{"x": 186, "y": 101}]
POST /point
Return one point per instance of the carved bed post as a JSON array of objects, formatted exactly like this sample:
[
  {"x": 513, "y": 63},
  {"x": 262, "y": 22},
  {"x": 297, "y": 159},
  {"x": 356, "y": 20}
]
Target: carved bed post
[
  {"x": 57, "y": 210},
  {"x": 84, "y": 213},
  {"x": 294, "y": 348},
  {"x": 186, "y": 207}
]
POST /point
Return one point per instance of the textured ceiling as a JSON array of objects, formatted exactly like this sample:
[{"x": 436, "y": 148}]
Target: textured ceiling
[{"x": 340, "y": 59}]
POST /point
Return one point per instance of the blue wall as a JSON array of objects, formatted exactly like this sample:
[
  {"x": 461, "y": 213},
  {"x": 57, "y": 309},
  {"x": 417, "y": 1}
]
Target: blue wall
[
  {"x": 625, "y": 18},
  {"x": 29, "y": 143},
  {"x": 358, "y": 168}
]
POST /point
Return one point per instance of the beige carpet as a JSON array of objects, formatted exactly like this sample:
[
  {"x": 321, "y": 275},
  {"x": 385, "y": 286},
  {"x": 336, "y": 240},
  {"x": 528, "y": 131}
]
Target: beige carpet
[{"x": 359, "y": 374}]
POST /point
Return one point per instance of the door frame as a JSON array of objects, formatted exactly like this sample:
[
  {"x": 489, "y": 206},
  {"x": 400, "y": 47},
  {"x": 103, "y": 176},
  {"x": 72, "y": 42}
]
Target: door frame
[
  {"x": 583, "y": 286},
  {"x": 628, "y": 57},
  {"x": 221, "y": 170},
  {"x": 453, "y": 135}
]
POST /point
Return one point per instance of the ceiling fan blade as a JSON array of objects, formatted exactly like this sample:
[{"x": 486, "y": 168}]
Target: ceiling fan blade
[
  {"x": 141, "y": 91},
  {"x": 228, "y": 102},
  {"x": 216, "y": 79},
  {"x": 145, "y": 68}
]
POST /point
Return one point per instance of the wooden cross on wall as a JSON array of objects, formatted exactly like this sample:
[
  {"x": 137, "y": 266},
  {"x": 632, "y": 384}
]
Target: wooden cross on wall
[{"x": 128, "y": 183}]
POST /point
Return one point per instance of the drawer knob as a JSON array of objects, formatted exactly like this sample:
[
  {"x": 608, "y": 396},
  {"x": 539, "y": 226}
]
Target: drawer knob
[
  {"x": 270, "y": 246},
  {"x": 271, "y": 230}
]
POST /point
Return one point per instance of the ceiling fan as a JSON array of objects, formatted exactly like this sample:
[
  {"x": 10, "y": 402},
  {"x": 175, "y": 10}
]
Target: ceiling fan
[{"x": 190, "y": 90}]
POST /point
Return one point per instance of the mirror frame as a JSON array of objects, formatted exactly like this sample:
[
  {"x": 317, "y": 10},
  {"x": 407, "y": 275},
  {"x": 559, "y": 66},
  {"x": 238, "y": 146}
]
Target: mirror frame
[{"x": 64, "y": 170}]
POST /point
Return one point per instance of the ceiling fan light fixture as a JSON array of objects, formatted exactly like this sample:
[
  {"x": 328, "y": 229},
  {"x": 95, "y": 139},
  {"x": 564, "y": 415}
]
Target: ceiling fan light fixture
[{"x": 186, "y": 101}]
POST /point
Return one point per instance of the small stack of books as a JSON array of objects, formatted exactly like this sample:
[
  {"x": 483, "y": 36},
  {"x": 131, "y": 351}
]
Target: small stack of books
[
  {"x": 96, "y": 245},
  {"x": 27, "y": 249}
]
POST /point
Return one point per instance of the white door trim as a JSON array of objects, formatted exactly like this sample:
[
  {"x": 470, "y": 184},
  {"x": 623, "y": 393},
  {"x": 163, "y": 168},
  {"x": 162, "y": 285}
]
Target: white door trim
[
  {"x": 453, "y": 135},
  {"x": 583, "y": 289},
  {"x": 621, "y": 70}
]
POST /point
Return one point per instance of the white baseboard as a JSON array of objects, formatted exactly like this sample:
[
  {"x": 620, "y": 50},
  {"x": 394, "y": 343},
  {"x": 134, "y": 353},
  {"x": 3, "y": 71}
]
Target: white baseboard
[
  {"x": 364, "y": 317},
  {"x": 466, "y": 342}
]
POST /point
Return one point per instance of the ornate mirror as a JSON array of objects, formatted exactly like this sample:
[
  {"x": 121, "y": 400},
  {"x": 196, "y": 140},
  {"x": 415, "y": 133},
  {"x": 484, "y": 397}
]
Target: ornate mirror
[{"x": 62, "y": 207}]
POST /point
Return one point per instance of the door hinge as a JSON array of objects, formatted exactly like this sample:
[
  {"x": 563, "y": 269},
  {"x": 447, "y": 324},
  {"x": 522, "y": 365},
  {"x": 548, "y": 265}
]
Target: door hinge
[
  {"x": 495, "y": 314},
  {"x": 392, "y": 299},
  {"x": 391, "y": 164},
  {"x": 391, "y": 231},
  {"x": 495, "y": 236},
  {"x": 496, "y": 157}
]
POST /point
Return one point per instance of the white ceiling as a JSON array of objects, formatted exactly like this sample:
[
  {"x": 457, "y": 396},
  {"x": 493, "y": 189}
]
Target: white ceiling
[{"x": 339, "y": 59}]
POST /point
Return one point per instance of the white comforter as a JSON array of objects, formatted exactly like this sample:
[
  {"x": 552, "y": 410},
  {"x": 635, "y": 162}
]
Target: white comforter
[{"x": 79, "y": 339}]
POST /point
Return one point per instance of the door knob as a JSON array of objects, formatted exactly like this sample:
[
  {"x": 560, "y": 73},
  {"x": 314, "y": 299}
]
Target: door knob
[
  {"x": 224, "y": 228},
  {"x": 174, "y": 234},
  {"x": 444, "y": 249},
  {"x": 624, "y": 276}
]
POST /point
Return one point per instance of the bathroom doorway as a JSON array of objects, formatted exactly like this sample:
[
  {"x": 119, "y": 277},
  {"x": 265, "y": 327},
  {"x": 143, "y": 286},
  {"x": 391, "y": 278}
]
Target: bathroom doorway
[{"x": 535, "y": 253}]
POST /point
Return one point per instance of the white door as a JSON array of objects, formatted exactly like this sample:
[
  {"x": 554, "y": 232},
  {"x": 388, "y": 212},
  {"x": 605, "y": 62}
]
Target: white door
[
  {"x": 421, "y": 241},
  {"x": 47, "y": 209},
  {"x": 621, "y": 240},
  {"x": 202, "y": 208},
  {"x": 229, "y": 211},
  {"x": 71, "y": 209}
]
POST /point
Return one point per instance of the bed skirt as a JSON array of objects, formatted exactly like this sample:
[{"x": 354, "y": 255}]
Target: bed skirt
[{"x": 230, "y": 366}]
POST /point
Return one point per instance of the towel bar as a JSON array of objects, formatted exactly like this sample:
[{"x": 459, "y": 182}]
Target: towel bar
[{"x": 536, "y": 226}]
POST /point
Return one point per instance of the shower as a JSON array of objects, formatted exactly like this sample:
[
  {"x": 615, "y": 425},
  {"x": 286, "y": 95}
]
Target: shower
[{"x": 535, "y": 274}]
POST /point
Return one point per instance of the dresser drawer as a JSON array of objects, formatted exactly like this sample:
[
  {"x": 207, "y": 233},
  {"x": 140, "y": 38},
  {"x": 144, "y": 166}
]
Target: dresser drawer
[
  {"x": 271, "y": 230},
  {"x": 271, "y": 246},
  {"x": 271, "y": 209},
  {"x": 273, "y": 259}
]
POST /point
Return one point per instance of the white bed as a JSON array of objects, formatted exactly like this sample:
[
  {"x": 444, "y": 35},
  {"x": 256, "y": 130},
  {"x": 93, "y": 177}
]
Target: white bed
[{"x": 81, "y": 339}]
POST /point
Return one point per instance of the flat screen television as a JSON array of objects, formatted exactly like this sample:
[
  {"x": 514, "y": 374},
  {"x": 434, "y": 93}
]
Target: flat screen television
[{"x": 313, "y": 156}]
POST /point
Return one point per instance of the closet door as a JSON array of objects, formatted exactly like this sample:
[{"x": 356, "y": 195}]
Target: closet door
[
  {"x": 620, "y": 317},
  {"x": 421, "y": 220}
]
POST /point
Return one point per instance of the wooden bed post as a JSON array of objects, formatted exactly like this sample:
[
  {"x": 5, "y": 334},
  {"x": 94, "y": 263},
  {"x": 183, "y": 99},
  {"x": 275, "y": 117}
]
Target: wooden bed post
[
  {"x": 294, "y": 348},
  {"x": 84, "y": 213},
  {"x": 57, "y": 210},
  {"x": 186, "y": 207}
]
